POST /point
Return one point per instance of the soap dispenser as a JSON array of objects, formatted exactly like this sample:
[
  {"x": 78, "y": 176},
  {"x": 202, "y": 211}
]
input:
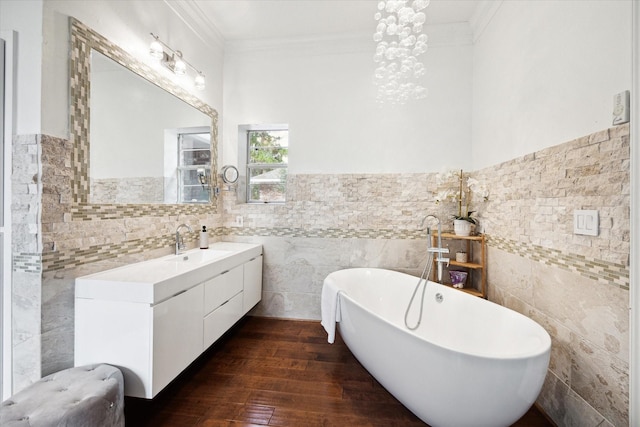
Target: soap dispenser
[{"x": 204, "y": 238}]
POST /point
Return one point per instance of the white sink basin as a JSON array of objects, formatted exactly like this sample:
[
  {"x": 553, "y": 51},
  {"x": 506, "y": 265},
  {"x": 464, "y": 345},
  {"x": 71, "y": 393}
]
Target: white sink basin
[
  {"x": 157, "y": 279},
  {"x": 201, "y": 256}
]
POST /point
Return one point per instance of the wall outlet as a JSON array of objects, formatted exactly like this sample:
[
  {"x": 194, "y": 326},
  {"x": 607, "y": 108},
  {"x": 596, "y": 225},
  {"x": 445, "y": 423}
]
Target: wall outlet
[
  {"x": 585, "y": 222},
  {"x": 239, "y": 221}
]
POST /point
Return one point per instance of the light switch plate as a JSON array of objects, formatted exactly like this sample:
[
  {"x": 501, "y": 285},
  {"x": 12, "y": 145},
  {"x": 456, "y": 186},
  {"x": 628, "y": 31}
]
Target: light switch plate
[{"x": 585, "y": 222}]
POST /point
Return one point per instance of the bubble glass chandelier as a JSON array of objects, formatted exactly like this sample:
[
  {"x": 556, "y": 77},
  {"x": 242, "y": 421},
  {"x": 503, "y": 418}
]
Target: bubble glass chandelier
[{"x": 400, "y": 41}]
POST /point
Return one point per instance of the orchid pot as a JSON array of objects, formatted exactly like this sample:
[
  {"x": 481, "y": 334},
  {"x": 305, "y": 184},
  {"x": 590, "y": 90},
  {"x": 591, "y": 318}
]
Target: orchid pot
[{"x": 462, "y": 227}]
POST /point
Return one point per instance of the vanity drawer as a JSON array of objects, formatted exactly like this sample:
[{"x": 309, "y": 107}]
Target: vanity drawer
[
  {"x": 220, "y": 320},
  {"x": 221, "y": 288}
]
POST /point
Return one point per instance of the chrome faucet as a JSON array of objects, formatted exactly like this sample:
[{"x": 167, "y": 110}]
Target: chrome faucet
[
  {"x": 440, "y": 260},
  {"x": 180, "y": 246}
]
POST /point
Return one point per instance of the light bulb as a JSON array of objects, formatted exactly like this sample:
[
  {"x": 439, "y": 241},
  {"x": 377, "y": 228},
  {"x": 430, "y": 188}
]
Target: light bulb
[
  {"x": 155, "y": 49},
  {"x": 180, "y": 67},
  {"x": 199, "y": 82}
]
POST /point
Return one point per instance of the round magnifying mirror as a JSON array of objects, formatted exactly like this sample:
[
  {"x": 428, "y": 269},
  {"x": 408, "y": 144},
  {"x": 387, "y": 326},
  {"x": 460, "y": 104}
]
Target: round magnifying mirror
[{"x": 229, "y": 174}]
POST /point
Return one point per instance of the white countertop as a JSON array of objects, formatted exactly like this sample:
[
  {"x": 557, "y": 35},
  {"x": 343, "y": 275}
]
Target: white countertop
[{"x": 156, "y": 280}]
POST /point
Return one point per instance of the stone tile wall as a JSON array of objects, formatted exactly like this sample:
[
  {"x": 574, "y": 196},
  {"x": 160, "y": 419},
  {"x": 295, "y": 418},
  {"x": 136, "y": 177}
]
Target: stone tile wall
[
  {"x": 533, "y": 197},
  {"x": 576, "y": 286},
  {"x": 26, "y": 246}
]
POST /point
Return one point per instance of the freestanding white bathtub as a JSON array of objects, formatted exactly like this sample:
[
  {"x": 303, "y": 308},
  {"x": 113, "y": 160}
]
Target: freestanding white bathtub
[{"x": 470, "y": 363}]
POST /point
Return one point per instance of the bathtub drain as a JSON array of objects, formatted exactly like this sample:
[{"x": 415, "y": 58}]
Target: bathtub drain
[{"x": 439, "y": 297}]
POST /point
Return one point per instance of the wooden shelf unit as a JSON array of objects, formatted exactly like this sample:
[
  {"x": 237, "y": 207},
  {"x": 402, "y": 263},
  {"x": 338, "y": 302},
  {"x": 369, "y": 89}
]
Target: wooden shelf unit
[{"x": 475, "y": 264}]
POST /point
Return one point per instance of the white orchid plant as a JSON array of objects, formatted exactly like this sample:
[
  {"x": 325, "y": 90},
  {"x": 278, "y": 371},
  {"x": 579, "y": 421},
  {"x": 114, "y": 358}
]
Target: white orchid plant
[{"x": 455, "y": 186}]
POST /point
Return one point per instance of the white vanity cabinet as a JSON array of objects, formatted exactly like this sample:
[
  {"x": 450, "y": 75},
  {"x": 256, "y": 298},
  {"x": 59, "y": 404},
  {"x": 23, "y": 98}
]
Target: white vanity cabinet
[
  {"x": 151, "y": 343},
  {"x": 152, "y": 319}
]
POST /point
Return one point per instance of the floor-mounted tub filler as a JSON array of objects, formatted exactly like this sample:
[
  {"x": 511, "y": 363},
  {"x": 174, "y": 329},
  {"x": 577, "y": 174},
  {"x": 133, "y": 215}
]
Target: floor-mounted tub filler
[{"x": 470, "y": 363}]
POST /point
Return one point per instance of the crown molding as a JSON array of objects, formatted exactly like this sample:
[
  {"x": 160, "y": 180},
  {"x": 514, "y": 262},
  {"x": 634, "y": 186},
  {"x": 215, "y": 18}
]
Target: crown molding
[
  {"x": 193, "y": 16},
  {"x": 457, "y": 34},
  {"x": 482, "y": 16},
  {"x": 319, "y": 44},
  {"x": 440, "y": 35}
]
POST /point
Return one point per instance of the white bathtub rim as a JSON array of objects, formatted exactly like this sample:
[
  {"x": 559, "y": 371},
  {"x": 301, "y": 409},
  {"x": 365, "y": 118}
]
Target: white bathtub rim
[{"x": 544, "y": 348}]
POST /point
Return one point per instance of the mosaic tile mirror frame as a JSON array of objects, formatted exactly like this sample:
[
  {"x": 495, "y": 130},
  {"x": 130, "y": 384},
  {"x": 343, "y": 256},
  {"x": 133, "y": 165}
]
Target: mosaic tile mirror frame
[{"x": 83, "y": 40}]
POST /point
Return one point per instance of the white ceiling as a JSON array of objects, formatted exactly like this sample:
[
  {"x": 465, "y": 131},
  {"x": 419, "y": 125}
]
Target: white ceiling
[{"x": 238, "y": 20}]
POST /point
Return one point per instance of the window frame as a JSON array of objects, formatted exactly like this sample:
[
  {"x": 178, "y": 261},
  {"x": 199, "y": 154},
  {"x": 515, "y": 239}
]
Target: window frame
[
  {"x": 180, "y": 167},
  {"x": 245, "y": 167}
]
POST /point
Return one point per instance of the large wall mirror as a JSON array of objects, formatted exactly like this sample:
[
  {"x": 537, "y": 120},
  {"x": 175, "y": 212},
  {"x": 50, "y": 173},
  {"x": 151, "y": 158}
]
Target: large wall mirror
[{"x": 138, "y": 139}]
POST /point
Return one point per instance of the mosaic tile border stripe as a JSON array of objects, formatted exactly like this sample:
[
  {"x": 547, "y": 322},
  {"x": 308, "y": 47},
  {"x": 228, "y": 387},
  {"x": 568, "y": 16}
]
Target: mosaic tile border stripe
[
  {"x": 60, "y": 260},
  {"x": 322, "y": 233},
  {"x": 83, "y": 39},
  {"x": 91, "y": 212},
  {"x": 27, "y": 263},
  {"x": 604, "y": 272}
]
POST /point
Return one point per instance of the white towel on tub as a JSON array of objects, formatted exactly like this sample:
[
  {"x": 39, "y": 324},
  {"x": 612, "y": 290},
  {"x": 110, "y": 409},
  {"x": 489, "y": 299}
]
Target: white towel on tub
[{"x": 330, "y": 308}]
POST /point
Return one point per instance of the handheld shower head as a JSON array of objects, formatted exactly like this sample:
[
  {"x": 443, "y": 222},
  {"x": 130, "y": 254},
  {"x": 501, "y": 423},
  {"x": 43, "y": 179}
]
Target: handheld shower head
[{"x": 422, "y": 223}]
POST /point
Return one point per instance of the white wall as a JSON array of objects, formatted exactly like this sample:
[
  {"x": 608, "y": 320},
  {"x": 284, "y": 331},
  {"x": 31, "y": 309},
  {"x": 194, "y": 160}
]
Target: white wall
[
  {"x": 323, "y": 89},
  {"x": 25, "y": 17},
  {"x": 545, "y": 72},
  {"x": 128, "y": 24}
]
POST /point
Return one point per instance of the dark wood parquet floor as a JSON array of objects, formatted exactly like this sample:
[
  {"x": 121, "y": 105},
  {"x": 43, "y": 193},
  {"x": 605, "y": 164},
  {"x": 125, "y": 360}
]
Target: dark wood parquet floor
[{"x": 269, "y": 372}]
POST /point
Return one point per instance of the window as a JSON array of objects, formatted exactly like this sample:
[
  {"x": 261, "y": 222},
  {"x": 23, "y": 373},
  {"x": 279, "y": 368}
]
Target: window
[
  {"x": 266, "y": 158},
  {"x": 194, "y": 167}
]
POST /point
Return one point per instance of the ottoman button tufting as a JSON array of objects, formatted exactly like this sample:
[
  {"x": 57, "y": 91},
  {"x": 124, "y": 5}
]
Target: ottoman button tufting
[{"x": 95, "y": 398}]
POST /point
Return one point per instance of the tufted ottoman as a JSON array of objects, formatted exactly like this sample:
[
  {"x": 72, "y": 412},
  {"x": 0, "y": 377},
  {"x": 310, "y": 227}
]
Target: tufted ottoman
[{"x": 91, "y": 396}]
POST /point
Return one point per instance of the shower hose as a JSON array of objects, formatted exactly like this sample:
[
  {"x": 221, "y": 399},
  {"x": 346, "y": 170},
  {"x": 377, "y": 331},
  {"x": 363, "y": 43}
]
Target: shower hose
[{"x": 423, "y": 277}]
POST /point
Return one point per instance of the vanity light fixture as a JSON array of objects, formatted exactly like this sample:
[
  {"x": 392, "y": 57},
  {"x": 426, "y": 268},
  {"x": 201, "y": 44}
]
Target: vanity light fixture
[{"x": 174, "y": 61}]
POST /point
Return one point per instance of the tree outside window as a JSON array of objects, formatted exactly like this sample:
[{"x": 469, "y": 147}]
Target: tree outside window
[{"x": 267, "y": 162}]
